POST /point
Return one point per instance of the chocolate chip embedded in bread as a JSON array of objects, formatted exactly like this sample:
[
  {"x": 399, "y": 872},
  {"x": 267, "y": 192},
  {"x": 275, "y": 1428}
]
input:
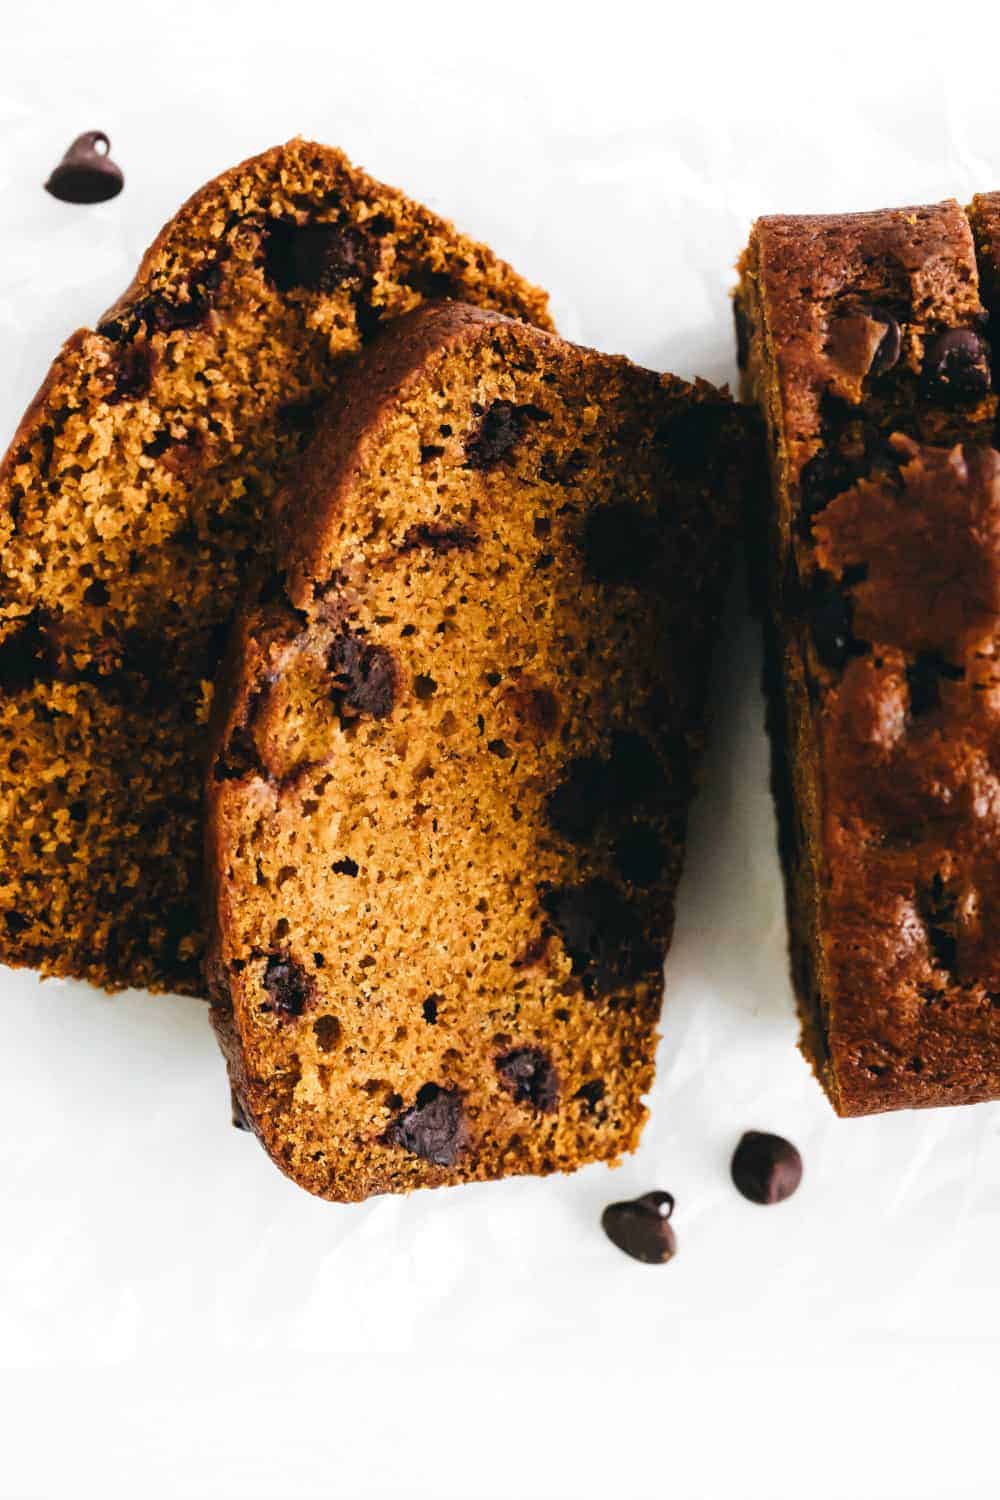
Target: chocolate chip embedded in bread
[
  {"x": 132, "y": 374},
  {"x": 433, "y": 1127},
  {"x": 642, "y": 1229},
  {"x": 86, "y": 173},
  {"x": 527, "y": 1073},
  {"x": 602, "y": 934},
  {"x": 365, "y": 676},
  {"x": 826, "y": 475},
  {"x": 438, "y": 537},
  {"x": 287, "y": 985},
  {"x": 955, "y": 368},
  {"x": 620, "y": 543},
  {"x": 890, "y": 346},
  {"x": 640, "y": 855},
  {"x": 924, "y": 676},
  {"x": 502, "y": 426},
  {"x": 766, "y": 1168},
  {"x": 317, "y": 257},
  {"x": 830, "y": 616}
]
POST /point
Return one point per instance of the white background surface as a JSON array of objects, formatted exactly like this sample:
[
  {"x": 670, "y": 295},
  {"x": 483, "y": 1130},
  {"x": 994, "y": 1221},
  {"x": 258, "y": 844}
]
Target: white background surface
[{"x": 178, "y": 1320}]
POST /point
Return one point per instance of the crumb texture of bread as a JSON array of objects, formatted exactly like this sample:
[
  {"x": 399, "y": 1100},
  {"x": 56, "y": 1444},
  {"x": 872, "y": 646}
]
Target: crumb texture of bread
[
  {"x": 863, "y": 339},
  {"x": 453, "y": 750},
  {"x": 134, "y": 496}
]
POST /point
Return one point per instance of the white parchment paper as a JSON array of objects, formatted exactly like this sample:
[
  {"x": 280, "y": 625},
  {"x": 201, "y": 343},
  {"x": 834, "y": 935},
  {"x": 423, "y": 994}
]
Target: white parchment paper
[{"x": 177, "y": 1319}]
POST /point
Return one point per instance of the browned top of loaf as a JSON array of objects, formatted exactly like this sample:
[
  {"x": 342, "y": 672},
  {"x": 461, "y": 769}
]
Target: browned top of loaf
[
  {"x": 132, "y": 501},
  {"x": 869, "y": 353},
  {"x": 447, "y": 798}
]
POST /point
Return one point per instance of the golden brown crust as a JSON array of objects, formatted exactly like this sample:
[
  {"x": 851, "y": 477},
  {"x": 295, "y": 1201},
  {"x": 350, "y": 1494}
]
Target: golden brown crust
[
  {"x": 133, "y": 500},
  {"x": 446, "y": 804},
  {"x": 863, "y": 341}
]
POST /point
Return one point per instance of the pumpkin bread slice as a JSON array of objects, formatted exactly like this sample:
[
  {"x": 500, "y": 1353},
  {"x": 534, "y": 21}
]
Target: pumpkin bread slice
[
  {"x": 132, "y": 499},
  {"x": 453, "y": 755}
]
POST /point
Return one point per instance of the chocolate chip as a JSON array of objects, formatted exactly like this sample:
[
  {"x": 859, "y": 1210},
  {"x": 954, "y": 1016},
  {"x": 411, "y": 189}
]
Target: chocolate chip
[
  {"x": 631, "y": 776},
  {"x": 96, "y": 593},
  {"x": 26, "y": 656},
  {"x": 345, "y": 866},
  {"x": 430, "y": 1009},
  {"x": 640, "y": 855},
  {"x": 167, "y": 311},
  {"x": 641, "y": 1228},
  {"x": 924, "y": 676},
  {"x": 287, "y": 984},
  {"x": 16, "y": 922},
  {"x": 433, "y": 1127},
  {"x": 691, "y": 439},
  {"x": 133, "y": 374},
  {"x": 591, "y": 1093},
  {"x": 529, "y": 1075},
  {"x": 766, "y": 1168},
  {"x": 955, "y": 369},
  {"x": 830, "y": 615},
  {"x": 501, "y": 429},
  {"x": 365, "y": 677},
  {"x": 938, "y": 907},
  {"x": 826, "y": 475},
  {"x": 327, "y": 1030},
  {"x": 634, "y": 774},
  {"x": 602, "y": 934},
  {"x": 440, "y": 538},
  {"x": 86, "y": 173},
  {"x": 316, "y": 257},
  {"x": 619, "y": 543},
  {"x": 575, "y": 807},
  {"x": 887, "y": 354}
]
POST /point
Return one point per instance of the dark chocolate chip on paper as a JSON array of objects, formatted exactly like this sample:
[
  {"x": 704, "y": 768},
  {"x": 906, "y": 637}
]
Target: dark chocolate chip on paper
[
  {"x": 766, "y": 1168},
  {"x": 86, "y": 173},
  {"x": 641, "y": 1227}
]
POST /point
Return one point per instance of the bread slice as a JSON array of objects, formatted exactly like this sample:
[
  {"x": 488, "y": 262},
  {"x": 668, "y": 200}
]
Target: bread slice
[
  {"x": 131, "y": 501},
  {"x": 453, "y": 756}
]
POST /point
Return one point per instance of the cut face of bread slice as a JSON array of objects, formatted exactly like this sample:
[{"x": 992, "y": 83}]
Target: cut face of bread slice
[
  {"x": 453, "y": 757},
  {"x": 133, "y": 497}
]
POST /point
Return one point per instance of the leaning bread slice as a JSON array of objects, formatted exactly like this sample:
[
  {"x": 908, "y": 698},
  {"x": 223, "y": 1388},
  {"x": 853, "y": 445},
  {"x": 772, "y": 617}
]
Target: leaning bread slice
[
  {"x": 133, "y": 497},
  {"x": 453, "y": 758}
]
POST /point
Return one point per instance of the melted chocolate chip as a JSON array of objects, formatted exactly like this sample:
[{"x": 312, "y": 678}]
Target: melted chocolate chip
[
  {"x": 133, "y": 374},
  {"x": 887, "y": 354},
  {"x": 619, "y": 543},
  {"x": 602, "y": 934},
  {"x": 365, "y": 677},
  {"x": 96, "y": 592},
  {"x": 345, "y": 866},
  {"x": 433, "y": 1127},
  {"x": 924, "y": 676},
  {"x": 692, "y": 439},
  {"x": 166, "y": 312},
  {"x": 576, "y": 806},
  {"x": 641, "y": 1228},
  {"x": 830, "y": 616},
  {"x": 631, "y": 776},
  {"x": 938, "y": 908},
  {"x": 440, "y": 538},
  {"x": 826, "y": 475},
  {"x": 591, "y": 1093},
  {"x": 634, "y": 775},
  {"x": 316, "y": 257},
  {"x": 955, "y": 369},
  {"x": 766, "y": 1168},
  {"x": 502, "y": 427},
  {"x": 529, "y": 1076},
  {"x": 86, "y": 173},
  {"x": 25, "y": 656},
  {"x": 287, "y": 984},
  {"x": 639, "y": 855}
]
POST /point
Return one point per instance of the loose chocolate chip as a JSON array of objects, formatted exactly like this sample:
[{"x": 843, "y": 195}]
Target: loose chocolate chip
[
  {"x": 602, "y": 934},
  {"x": 317, "y": 257},
  {"x": 641, "y": 1228},
  {"x": 822, "y": 479},
  {"x": 86, "y": 173},
  {"x": 437, "y": 537},
  {"x": 365, "y": 677},
  {"x": 766, "y": 1168},
  {"x": 830, "y": 616},
  {"x": 924, "y": 676},
  {"x": 887, "y": 354},
  {"x": 955, "y": 369},
  {"x": 529, "y": 1075},
  {"x": 640, "y": 855},
  {"x": 501, "y": 429},
  {"x": 619, "y": 543},
  {"x": 433, "y": 1127},
  {"x": 287, "y": 984}
]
